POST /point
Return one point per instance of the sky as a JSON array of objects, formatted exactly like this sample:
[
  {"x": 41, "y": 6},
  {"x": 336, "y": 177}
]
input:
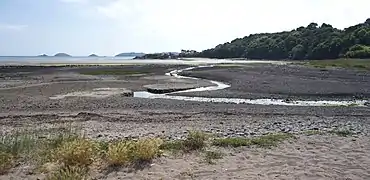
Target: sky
[{"x": 109, "y": 27}]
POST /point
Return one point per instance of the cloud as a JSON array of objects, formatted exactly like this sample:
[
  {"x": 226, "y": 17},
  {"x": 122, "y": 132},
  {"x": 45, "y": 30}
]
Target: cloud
[
  {"x": 12, "y": 27},
  {"x": 201, "y": 24}
]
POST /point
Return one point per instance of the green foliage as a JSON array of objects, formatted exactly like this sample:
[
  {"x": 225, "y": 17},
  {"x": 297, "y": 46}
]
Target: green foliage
[
  {"x": 358, "y": 51},
  {"x": 311, "y": 42},
  {"x": 195, "y": 140},
  {"x": 262, "y": 141}
]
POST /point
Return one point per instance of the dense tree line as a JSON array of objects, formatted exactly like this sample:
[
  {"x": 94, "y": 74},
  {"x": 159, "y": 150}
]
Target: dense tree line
[{"x": 311, "y": 42}]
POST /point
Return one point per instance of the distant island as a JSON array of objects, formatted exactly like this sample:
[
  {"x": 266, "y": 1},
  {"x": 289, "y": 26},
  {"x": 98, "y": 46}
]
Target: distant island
[
  {"x": 131, "y": 54},
  {"x": 93, "y": 55},
  {"x": 62, "y": 55},
  {"x": 43, "y": 55}
]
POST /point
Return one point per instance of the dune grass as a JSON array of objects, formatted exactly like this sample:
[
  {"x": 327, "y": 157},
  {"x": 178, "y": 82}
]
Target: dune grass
[{"x": 360, "y": 64}]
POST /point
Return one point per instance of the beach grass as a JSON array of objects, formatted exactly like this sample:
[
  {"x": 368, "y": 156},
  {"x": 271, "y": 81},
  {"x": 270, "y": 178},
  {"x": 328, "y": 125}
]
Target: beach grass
[
  {"x": 71, "y": 155},
  {"x": 265, "y": 141}
]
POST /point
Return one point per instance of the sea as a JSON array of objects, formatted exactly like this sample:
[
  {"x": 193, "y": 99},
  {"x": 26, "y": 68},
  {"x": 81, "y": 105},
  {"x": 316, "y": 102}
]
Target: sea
[{"x": 37, "y": 60}]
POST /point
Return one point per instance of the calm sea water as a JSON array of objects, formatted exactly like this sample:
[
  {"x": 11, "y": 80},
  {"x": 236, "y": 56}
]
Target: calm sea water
[{"x": 32, "y": 60}]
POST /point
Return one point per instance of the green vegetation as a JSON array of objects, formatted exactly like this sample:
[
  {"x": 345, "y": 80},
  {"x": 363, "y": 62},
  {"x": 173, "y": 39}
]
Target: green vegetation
[
  {"x": 310, "y": 42},
  {"x": 115, "y": 72},
  {"x": 195, "y": 141},
  {"x": 232, "y": 142},
  {"x": 341, "y": 63},
  {"x": 266, "y": 141},
  {"x": 69, "y": 155}
]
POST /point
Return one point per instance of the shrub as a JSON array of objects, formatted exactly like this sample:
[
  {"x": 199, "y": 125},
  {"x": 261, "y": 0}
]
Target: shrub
[{"x": 80, "y": 152}]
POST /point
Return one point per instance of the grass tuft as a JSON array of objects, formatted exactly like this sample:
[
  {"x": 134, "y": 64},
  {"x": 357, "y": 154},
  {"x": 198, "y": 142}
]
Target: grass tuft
[
  {"x": 195, "y": 140},
  {"x": 271, "y": 139},
  {"x": 126, "y": 152},
  {"x": 17, "y": 144},
  {"x": 80, "y": 152},
  {"x": 146, "y": 149},
  {"x": 69, "y": 173},
  {"x": 266, "y": 141},
  {"x": 118, "y": 153}
]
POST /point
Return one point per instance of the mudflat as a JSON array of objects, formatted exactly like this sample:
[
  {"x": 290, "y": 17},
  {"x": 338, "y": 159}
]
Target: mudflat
[{"x": 26, "y": 96}]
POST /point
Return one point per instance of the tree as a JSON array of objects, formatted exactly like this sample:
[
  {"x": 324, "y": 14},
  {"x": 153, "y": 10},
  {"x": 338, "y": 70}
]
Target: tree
[{"x": 310, "y": 42}]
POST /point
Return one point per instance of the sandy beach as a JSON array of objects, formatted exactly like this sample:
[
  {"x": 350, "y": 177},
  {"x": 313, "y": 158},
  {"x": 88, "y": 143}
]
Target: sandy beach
[{"x": 26, "y": 96}]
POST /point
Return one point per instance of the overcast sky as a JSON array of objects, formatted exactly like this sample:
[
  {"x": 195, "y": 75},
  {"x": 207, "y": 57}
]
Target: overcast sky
[{"x": 108, "y": 27}]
